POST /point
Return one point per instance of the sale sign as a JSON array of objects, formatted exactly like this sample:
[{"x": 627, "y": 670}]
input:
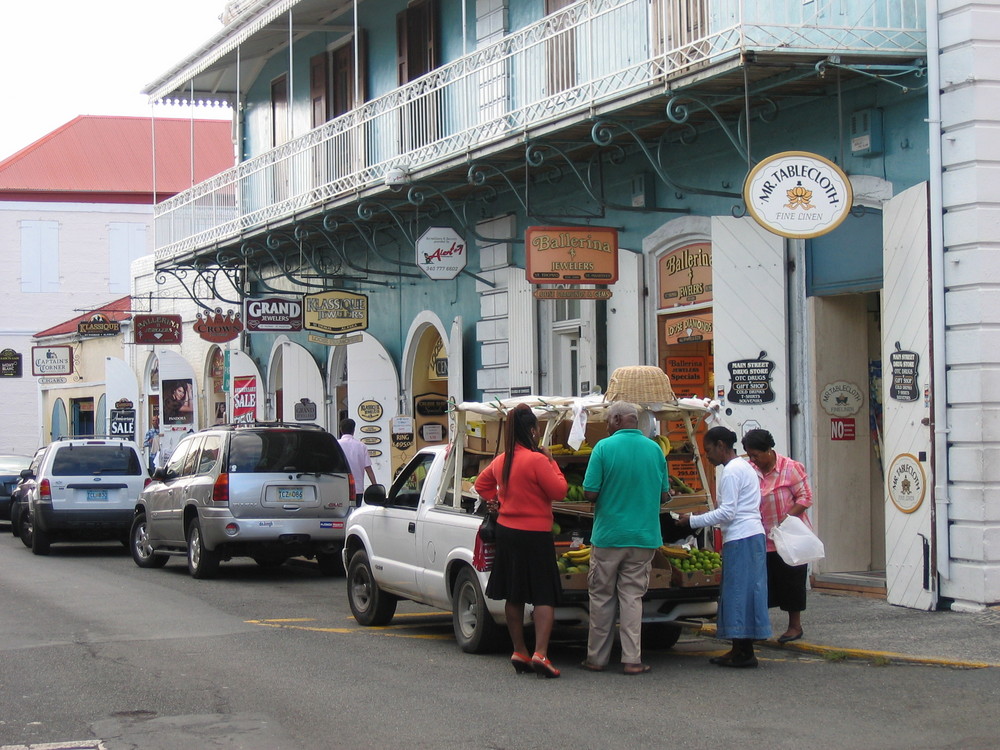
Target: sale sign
[{"x": 245, "y": 398}]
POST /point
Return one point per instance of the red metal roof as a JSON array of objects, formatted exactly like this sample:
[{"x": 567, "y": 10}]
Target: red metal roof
[
  {"x": 120, "y": 309},
  {"x": 109, "y": 159}
]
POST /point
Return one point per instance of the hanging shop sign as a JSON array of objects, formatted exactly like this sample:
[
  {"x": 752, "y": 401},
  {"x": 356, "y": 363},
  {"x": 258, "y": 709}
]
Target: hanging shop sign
[
  {"x": 98, "y": 324},
  {"x": 576, "y": 255},
  {"x": 315, "y": 338},
  {"x": 685, "y": 276},
  {"x": 157, "y": 329},
  {"x": 218, "y": 328},
  {"x": 572, "y": 293},
  {"x": 441, "y": 253},
  {"x": 245, "y": 398},
  {"x": 10, "y": 364},
  {"x": 798, "y": 194},
  {"x": 841, "y": 399},
  {"x": 437, "y": 362},
  {"x": 304, "y": 410},
  {"x": 335, "y": 312},
  {"x": 51, "y": 360},
  {"x": 906, "y": 482},
  {"x": 750, "y": 381},
  {"x": 905, "y": 366},
  {"x": 271, "y": 314}
]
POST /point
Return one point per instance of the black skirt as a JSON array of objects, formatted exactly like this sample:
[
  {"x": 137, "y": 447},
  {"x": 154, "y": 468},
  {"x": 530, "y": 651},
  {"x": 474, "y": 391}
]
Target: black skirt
[
  {"x": 524, "y": 568},
  {"x": 786, "y": 584}
]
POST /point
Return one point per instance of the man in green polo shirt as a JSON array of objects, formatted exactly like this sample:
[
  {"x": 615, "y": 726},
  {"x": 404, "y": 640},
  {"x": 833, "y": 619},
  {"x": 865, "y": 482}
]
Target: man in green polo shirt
[{"x": 627, "y": 481}]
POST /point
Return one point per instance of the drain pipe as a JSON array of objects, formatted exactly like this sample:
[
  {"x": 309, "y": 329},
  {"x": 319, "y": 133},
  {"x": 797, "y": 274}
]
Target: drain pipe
[{"x": 939, "y": 375}]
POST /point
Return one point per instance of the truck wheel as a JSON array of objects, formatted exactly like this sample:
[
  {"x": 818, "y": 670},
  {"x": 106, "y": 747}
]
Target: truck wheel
[
  {"x": 138, "y": 544},
  {"x": 40, "y": 540},
  {"x": 475, "y": 629},
  {"x": 660, "y": 635},
  {"x": 370, "y": 605},
  {"x": 202, "y": 563}
]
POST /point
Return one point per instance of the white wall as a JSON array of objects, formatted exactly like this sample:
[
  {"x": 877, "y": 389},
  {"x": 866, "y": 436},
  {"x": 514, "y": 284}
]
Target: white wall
[
  {"x": 84, "y": 275},
  {"x": 970, "y": 77}
]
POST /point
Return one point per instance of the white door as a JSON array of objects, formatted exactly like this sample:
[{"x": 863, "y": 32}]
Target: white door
[
  {"x": 303, "y": 398},
  {"x": 750, "y": 327},
  {"x": 372, "y": 379},
  {"x": 911, "y": 578}
]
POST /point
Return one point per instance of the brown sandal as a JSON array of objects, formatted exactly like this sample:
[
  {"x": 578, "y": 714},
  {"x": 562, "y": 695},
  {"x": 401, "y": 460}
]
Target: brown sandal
[{"x": 633, "y": 669}]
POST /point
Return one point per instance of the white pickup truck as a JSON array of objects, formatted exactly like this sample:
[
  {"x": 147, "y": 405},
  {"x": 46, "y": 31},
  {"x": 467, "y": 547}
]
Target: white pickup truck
[{"x": 418, "y": 541}]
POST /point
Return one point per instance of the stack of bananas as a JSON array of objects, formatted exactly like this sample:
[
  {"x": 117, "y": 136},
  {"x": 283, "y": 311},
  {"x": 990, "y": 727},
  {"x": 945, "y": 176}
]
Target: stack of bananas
[
  {"x": 664, "y": 442},
  {"x": 574, "y": 561},
  {"x": 558, "y": 449},
  {"x": 678, "y": 553}
]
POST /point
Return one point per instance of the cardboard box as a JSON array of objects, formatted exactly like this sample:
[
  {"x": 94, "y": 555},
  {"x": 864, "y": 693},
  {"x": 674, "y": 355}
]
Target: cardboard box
[
  {"x": 482, "y": 437},
  {"x": 694, "y": 578},
  {"x": 573, "y": 581}
]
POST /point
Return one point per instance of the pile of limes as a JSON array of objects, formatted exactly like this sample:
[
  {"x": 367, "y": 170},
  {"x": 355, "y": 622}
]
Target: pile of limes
[{"x": 704, "y": 560}]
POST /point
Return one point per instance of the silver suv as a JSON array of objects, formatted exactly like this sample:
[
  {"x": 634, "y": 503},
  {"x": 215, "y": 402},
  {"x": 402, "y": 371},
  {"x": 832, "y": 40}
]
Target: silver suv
[
  {"x": 80, "y": 489},
  {"x": 269, "y": 491}
]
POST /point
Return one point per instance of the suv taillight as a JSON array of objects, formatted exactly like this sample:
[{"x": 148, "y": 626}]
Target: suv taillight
[
  {"x": 45, "y": 491},
  {"x": 146, "y": 483},
  {"x": 354, "y": 489},
  {"x": 220, "y": 492}
]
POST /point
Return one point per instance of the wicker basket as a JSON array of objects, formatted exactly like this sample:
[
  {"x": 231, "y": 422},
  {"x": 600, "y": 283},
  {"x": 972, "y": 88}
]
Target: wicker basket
[{"x": 641, "y": 385}]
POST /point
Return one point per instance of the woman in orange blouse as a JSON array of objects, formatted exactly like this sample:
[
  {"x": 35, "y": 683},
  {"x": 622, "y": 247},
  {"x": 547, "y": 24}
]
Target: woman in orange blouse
[
  {"x": 784, "y": 491},
  {"x": 523, "y": 482}
]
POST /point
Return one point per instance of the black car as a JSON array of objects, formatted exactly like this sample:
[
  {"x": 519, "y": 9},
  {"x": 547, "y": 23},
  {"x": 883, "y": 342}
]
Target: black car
[
  {"x": 10, "y": 475},
  {"x": 26, "y": 480}
]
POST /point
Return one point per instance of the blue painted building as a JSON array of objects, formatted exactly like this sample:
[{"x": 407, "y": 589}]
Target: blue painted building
[{"x": 368, "y": 131}]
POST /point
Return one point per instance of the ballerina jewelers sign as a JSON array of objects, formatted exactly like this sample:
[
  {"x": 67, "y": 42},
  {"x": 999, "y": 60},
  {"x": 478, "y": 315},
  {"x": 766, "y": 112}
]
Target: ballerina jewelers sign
[{"x": 798, "y": 194}]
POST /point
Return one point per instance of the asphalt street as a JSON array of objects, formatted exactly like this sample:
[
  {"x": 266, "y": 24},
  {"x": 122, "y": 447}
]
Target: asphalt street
[{"x": 98, "y": 651}]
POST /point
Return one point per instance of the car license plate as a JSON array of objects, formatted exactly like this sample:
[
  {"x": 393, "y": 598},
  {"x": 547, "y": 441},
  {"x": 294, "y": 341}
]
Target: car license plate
[
  {"x": 290, "y": 493},
  {"x": 97, "y": 495}
]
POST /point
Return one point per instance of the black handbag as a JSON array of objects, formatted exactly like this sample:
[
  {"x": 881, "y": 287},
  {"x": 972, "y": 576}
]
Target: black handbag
[{"x": 488, "y": 528}]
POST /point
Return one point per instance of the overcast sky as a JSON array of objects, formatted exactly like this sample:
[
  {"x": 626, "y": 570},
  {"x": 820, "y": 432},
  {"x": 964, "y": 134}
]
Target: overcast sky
[{"x": 63, "y": 58}]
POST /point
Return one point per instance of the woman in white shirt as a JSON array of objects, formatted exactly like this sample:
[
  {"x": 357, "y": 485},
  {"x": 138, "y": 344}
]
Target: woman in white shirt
[{"x": 743, "y": 616}]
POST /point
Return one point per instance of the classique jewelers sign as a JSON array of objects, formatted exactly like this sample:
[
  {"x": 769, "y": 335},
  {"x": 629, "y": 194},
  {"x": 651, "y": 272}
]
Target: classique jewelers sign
[{"x": 798, "y": 194}]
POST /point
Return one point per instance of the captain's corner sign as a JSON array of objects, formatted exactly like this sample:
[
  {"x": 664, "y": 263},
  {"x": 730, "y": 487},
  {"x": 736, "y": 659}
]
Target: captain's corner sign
[{"x": 798, "y": 194}]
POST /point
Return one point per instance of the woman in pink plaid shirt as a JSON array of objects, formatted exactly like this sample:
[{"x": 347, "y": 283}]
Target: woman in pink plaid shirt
[{"x": 784, "y": 491}]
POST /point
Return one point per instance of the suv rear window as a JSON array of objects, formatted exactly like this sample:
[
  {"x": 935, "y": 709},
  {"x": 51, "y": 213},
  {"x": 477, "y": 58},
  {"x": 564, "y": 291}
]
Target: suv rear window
[
  {"x": 276, "y": 451},
  {"x": 93, "y": 460}
]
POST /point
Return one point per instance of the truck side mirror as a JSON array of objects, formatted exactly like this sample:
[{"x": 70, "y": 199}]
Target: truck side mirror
[
  {"x": 374, "y": 494},
  {"x": 26, "y": 474},
  {"x": 159, "y": 474}
]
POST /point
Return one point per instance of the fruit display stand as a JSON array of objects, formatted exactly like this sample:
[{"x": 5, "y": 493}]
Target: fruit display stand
[{"x": 479, "y": 432}]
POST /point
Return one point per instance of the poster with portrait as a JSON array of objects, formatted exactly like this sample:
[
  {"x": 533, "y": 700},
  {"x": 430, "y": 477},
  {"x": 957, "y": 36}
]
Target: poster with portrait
[{"x": 177, "y": 402}]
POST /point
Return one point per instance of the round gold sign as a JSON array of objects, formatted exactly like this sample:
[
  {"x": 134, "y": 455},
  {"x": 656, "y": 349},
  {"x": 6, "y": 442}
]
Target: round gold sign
[
  {"x": 370, "y": 411},
  {"x": 906, "y": 482}
]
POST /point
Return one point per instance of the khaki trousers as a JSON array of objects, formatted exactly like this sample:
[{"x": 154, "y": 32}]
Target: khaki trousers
[{"x": 618, "y": 576}]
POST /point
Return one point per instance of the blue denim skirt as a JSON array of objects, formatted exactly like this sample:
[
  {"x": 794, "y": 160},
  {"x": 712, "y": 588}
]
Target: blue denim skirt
[{"x": 743, "y": 600}]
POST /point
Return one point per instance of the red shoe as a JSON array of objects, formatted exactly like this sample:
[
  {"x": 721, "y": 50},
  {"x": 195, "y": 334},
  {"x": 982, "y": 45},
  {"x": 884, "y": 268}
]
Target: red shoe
[
  {"x": 543, "y": 667},
  {"x": 521, "y": 663}
]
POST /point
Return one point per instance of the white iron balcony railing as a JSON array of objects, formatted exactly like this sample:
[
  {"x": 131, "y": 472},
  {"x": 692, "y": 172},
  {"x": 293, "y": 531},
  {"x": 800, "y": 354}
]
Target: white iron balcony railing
[{"x": 587, "y": 55}]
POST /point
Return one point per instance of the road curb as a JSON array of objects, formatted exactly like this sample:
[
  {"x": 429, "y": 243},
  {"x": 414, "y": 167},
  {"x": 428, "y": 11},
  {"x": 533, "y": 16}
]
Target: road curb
[{"x": 860, "y": 654}]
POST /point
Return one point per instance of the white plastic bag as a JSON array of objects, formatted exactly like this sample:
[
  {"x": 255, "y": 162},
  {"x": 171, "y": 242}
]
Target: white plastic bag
[{"x": 796, "y": 543}]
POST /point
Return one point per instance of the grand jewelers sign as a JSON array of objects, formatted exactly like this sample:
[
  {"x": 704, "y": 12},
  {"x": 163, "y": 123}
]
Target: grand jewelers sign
[{"x": 798, "y": 194}]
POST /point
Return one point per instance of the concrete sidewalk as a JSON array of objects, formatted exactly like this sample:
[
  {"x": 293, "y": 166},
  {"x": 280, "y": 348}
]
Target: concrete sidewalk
[{"x": 856, "y": 627}]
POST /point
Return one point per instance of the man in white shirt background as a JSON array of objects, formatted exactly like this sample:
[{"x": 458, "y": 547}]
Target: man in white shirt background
[{"x": 357, "y": 457}]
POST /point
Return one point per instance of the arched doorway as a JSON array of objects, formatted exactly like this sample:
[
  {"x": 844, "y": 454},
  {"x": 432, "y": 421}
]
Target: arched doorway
[{"x": 295, "y": 391}]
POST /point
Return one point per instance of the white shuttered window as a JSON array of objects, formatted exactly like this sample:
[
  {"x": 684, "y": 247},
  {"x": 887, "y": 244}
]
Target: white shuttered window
[
  {"x": 39, "y": 256},
  {"x": 127, "y": 241}
]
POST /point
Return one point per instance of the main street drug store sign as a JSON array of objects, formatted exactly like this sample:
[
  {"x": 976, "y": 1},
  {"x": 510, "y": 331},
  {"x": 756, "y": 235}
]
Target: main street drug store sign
[{"x": 798, "y": 194}]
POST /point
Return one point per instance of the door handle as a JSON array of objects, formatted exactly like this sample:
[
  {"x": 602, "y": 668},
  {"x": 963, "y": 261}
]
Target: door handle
[{"x": 412, "y": 527}]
